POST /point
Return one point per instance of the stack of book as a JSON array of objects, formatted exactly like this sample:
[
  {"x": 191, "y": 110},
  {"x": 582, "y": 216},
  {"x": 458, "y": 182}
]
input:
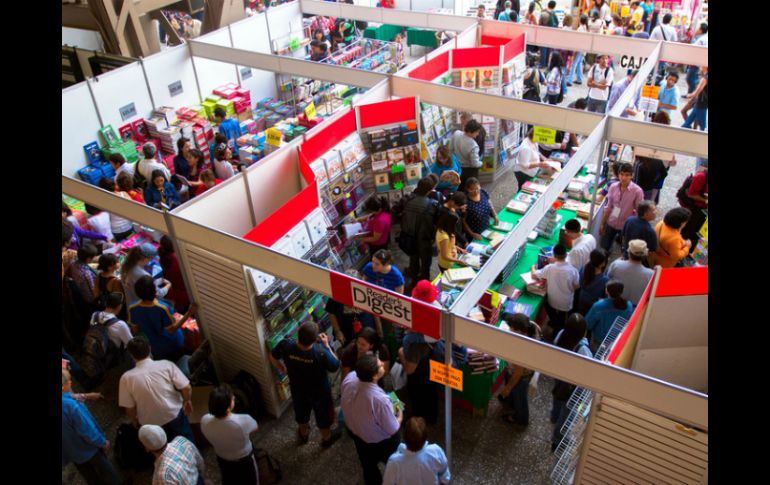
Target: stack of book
[
  {"x": 548, "y": 223},
  {"x": 481, "y": 363},
  {"x": 531, "y": 187},
  {"x": 533, "y": 286},
  {"x": 459, "y": 275}
]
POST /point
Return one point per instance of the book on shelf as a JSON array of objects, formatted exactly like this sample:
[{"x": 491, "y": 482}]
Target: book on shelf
[
  {"x": 526, "y": 198},
  {"x": 382, "y": 182},
  {"x": 503, "y": 226},
  {"x": 379, "y": 161},
  {"x": 456, "y": 275},
  {"x": 517, "y": 207},
  {"x": 532, "y": 187}
]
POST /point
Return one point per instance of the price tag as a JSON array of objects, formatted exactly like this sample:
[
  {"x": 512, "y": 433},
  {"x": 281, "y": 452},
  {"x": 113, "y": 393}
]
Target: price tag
[
  {"x": 448, "y": 376},
  {"x": 310, "y": 111},
  {"x": 175, "y": 89},
  {"x": 294, "y": 44},
  {"x": 245, "y": 73},
  {"x": 544, "y": 135},
  {"x": 650, "y": 91},
  {"x": 273, "y": 137},
  {"x": 127, "y": 112},
  {"x": 704, "y": 231}
]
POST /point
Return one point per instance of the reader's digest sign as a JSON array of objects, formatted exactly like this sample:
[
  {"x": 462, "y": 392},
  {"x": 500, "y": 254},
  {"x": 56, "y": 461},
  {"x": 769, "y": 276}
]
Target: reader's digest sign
[{"x": 382, "y": 304}]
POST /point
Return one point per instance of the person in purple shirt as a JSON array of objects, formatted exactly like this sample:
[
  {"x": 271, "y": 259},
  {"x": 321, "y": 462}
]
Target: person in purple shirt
[
  {"x": 78, "y": 234},
  {"x": 369, "y": 417},
  {"x": 622, "y": 200}
]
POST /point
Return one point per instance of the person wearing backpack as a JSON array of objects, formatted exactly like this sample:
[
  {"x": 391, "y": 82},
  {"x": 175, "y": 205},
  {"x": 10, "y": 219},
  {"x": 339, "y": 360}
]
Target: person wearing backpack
[
  {"x": 548, "y": 18},
  {"x": 83, "y": 442},
  {"x": 699, "y": 112},
  {"x": 418, "y": 227},
  {"x": 307, "y": 361},
  {"x": 571, "y": 338},
  {"x": 108, "y": 282},
  {"x": 599, "y": 81},
  {"x": 554, "y": 79},
  {"x": 107, "y": 324},
  {"x": 533, "y": 78}
]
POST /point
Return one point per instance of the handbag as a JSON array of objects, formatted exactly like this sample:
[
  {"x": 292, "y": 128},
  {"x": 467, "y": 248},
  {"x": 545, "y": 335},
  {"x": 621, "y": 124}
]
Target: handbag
[{"x": 398, "y": 374}]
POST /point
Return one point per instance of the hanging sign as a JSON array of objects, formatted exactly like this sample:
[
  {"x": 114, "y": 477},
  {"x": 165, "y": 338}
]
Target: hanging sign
[
  {"x": 175, "y": 89},
  {"x": 649, "y": 91},
  {"x": 246, "y": 73},
  {"x": 378, "y": 301},
  {"x": 446, "y": 375},
  {"x": 310, "y": 111},
  {"x": 273, "y": 137},
  {"x": 648, "y": 105},
  {"x": 127, "y": 112},
  {"x": 544, "y": 135}
]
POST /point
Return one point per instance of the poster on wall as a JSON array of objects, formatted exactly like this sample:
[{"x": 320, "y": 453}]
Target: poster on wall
[
  {"x": 485, "y": 78},
  {"x": 468, "y": 77}
]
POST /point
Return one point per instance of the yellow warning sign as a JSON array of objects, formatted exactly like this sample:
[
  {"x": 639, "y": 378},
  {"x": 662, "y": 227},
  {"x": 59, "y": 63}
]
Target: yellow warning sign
[{"x": 443, "y": 374}]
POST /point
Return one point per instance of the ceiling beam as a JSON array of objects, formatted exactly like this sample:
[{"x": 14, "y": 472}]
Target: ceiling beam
[{"x": 78, "y": 16}]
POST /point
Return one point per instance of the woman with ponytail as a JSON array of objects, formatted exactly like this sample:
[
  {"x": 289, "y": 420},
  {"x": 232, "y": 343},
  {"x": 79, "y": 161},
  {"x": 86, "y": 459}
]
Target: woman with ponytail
[
  {"x": 573, "y": 339},
  {"x": 517, "y": 378},
  {"x": 593, "y": 281},
  {"x": 603, "y": 313},
  {"x": 378, "y": 224}
]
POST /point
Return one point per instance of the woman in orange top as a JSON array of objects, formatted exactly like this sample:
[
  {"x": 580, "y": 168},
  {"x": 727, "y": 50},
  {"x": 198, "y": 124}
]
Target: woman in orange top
[{"x": 672, "y": 247}]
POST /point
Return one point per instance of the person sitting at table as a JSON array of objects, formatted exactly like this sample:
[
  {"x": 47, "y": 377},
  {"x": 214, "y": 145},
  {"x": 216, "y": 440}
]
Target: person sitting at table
[
  {"x": 445, "y": 242},
  {"x": 479, "y": 209},
  {"x": 672, "y": 247},
  {"x": 160, "y": 191},
  {"x": 562, "y": 279},
  {"x": 448, "y": 169},
  {"x": 593, "y": 281},
  {"x": 379, "y": 222},
  {"x": 223, "y": 164},
  {"x": 125, "y": 183},
  {"x": 602, "y": 315},
  {"x": 197, "y": 165},
  {"x": 527, "y": 159},
  {"x": 517, "y": 378}
]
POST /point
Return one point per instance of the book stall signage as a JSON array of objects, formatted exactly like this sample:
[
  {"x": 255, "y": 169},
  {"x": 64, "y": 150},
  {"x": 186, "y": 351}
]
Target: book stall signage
[
  {"x": 544, "y": 135},
  {"x": 446, "y": 375},
  {"x": 175, "y": 88},
  {"x": 127, "y": 112},
  {"x": 310, "y": 111},
  {"x": 649, "y": 99},
  {"x": 273, "y": 137},
  {"x": 383, "y": 303}
]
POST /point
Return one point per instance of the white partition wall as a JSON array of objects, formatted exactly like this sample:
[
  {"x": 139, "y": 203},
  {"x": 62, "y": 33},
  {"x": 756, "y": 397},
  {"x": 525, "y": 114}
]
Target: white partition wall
[
  {"x": 116, "y": 91},
  {"x": 166, "y": 71},
  {"x": 212, "y": 74},
  {"x": 274, "y": 181},
  {"x": 252, "y": 34},
  {"x": 79, "y": 126},
  {"x": 224, "y": 207},
  {"x": 467, "y": 38},
  {"x": 284, "y": 20}
]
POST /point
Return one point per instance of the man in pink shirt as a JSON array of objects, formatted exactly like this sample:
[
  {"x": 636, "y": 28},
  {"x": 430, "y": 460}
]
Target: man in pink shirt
[{"x": 622, "y": 200}]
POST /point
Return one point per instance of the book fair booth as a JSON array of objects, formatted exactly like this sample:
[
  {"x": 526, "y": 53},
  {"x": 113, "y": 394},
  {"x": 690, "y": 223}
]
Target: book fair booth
[{"x": 262, "y": 251}]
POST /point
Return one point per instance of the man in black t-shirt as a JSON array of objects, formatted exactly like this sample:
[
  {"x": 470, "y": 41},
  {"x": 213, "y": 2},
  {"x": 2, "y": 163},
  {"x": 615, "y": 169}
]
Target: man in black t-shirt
[
  {"x": 307, "y": 362},
  {"x": 347, "y": 321}
]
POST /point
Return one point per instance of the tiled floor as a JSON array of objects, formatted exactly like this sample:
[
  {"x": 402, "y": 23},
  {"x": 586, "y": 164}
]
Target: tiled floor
[{"x": 486, "y": 450}]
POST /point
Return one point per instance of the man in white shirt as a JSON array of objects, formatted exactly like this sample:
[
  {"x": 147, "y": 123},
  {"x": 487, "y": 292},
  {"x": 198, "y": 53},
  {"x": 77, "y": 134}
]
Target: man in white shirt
[
  {"x": 701, "y": 39},
  {"x": 156, "y": 392},
  {"x": 229, "y": 434},
  {"x": 416, "y": 461},
  {"x": 582, "y": 244},
  {"x": 666, "y": 33},
  {"x": 120, "y": 165},
  {"x": 599, "y": 80},
  {"x": 149, "y": 164},
  {"x": 562, "y": 279}
]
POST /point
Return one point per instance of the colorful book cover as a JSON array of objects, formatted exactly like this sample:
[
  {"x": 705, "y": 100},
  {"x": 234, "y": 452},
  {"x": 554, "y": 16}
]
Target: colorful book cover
[
  {"x": 382, "y": 182},
  {"x": 379, "y": 161},
  {"x": 93, "y": 153},
  {"x": 468, "y": 77},
  {"x": 485, "y": 78}
]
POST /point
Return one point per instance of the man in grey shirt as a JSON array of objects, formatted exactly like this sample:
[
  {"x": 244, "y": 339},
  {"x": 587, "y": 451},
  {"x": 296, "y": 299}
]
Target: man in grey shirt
[
  {"x": 466, "y": 149},
  {"x": 631, "y": 272}
]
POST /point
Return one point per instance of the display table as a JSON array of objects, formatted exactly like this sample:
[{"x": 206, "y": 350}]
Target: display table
[
  {"x": 385, "y": 32},
  {"x": 425, "y": 38}
]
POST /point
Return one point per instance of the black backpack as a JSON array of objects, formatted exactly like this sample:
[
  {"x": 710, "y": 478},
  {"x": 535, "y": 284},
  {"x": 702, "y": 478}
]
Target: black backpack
[
  {"x": 248, "y": 395},
  {"x": 98, "y": 350},
  {"x": 268, "y": 467},
  {"x": 681, "y": 194},
  {"x": 129, "y": 451}
]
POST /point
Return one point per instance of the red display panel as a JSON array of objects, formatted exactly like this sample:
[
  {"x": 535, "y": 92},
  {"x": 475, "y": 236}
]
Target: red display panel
[
  {"x": 324, "y": 139},
  {"x": 304, "y": 167},
  {"x": 632, "y": 322},
  {"x": 683, "y": 282},
  {"x": 387, "y": 112},
  {"x": 475, "y": 57},
  {"x": 513, "y": 48},
  {"x": 488, "y": 40},
  {"x": 432, "y": 69},
  {"x": 284, "y": 219},
  {"x": 395, "y": 307}
]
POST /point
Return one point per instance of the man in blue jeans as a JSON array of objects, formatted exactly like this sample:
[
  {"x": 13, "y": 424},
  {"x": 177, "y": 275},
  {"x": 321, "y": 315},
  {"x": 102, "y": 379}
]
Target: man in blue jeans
[
  {"x": 82, "y": 442},
  {"x": 156, "y": 392},
  {"x": 623, "y": 198}
]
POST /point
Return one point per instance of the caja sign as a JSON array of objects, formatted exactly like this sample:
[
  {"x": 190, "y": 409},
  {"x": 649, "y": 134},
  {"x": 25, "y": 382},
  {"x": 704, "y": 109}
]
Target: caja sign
[
  {"x": 627, "y": 62},
  {"x": 394, "y": 307}
]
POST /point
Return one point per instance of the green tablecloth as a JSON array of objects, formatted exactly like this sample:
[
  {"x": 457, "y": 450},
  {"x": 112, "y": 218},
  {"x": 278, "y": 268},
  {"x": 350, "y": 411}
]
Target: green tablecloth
[
  {"x": 422, "y": 37},
  {"x": 383, "y": 32}
]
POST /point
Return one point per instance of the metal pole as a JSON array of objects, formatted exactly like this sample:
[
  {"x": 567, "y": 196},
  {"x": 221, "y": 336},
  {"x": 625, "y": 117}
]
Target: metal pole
[
  {"x": 93, "y": 98},
  {"x": 252, "y": 213},
  {"x": 602, "y": 151},
  {"x": 447, "y": 332},
  {"x": 232, "y": 44},
  {"x": 195, "y": 73}
]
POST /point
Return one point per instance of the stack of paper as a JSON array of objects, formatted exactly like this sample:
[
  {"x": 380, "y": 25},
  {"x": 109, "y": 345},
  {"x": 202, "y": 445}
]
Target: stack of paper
[{"x": 457, "y": 275}]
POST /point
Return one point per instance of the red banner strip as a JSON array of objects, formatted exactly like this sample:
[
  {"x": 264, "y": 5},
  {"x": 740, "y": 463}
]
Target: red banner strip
[
  {"x": 620, "y": 343},
  {"x": 387, "y": 112},
  {"x": 513, "y": 48},
  {"x": 475, "y": 57},
  {"x": 683, "y": 281},
  {"x": 432, "y": 69},
  {"x": 324, "y": 139},
  {"x": 489, "y": 40},
  {"x": 284, "y": 219}
]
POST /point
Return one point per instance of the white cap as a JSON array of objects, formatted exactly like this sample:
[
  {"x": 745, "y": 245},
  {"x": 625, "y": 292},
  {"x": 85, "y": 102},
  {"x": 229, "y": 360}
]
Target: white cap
[{"x": 152, "y": 437}]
